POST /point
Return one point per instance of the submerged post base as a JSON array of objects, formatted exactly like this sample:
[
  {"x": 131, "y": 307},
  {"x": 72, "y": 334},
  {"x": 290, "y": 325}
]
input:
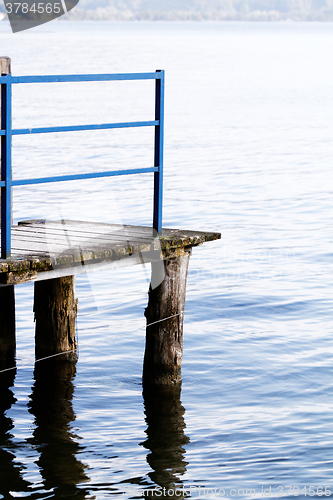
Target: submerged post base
[
  {"x": 55, "y": 308},
  {"x": 7, "y": 327},
  {"x": 164, "y": 337}
]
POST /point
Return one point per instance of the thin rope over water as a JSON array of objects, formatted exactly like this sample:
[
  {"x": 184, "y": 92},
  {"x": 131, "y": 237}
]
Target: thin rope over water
[{"x": 66, "y": 352}]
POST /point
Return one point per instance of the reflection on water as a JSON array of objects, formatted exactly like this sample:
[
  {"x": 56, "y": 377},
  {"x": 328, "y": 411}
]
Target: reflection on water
[
  {"x": 51, "y": 404},
  {"x": 10, "y": 470},
  {"x": 165, "y": 435}
]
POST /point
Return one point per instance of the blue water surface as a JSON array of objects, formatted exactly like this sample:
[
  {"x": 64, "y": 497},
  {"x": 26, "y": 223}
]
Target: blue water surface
[{"x": 248, "y": 153}]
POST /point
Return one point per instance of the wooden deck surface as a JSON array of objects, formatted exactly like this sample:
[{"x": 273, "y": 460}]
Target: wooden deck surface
[{"x": 63, "y": 247}]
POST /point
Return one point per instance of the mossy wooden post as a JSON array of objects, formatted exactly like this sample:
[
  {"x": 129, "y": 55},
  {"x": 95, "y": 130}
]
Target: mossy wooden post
[
  {"x": 164, "y": 338},
  {"x": 7, "y": 297},
  {"x": 55, "y": 308}
]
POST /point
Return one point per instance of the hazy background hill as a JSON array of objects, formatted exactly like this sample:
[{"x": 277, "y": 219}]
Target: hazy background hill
[
  {"x": 196, "y": 10},
  {"x": 299, "y": 10}
]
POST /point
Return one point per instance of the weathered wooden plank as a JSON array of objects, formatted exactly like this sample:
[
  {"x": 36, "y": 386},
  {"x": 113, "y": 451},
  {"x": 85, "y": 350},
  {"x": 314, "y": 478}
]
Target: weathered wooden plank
[
  {"x": 61, "y": 244},
  {"x": 17, "y": 277},
  {"x": 4, "y": 266},
  {"x": 72, "y": 239},
  {"x": 140, "y": 231},
  {"x": 88, "y": 252},
  {"x": 169, "y": 238},
  {"x": 80, "y": 231},
  {"x": 75, "y": 226},
  {"x": 16, "y": 266},
  {"x": 41, "y": 264},
  {"x": 84, "y": 231},
  {"x": 25, "y": 254},
  {"x": 42, "y": 246}
]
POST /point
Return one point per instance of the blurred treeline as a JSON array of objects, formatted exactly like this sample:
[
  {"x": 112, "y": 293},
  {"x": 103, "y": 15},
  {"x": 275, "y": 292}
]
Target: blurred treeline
[
  {"x": 247, "y": 10},
  {"x": 269, "y": 10}
]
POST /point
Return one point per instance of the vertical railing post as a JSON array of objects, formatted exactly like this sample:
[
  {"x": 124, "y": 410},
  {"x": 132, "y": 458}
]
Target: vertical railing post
[
  {"x": 7, "y": 293},
  {"x": 159, "y": 138},
  {"x": 6, "y": 166}
]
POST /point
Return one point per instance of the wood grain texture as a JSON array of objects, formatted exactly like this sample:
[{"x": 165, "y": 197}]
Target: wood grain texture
[
  {"x": 164, "y": 314},
  {"x": 55, "y": 308}
]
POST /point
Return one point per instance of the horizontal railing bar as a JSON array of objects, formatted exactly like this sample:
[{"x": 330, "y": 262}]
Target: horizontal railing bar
[
  {"x": 73, "y": 128},
  {"x": 73, "y": 177},
  {"x": 80, "y": 78}
]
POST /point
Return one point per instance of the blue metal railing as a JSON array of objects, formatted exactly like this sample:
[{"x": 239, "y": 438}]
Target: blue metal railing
[{"x": 7, "y": 132}]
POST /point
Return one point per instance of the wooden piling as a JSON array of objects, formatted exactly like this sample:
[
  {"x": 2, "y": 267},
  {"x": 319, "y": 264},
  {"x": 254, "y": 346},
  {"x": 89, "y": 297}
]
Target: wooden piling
[
  {"x": 5, "y": 66},
  {"x": 7, "y": 296},
  {"x": 7, "y": 327},
  {"x": 55, "y": 308},
  {"x": 164, "y": 337}
]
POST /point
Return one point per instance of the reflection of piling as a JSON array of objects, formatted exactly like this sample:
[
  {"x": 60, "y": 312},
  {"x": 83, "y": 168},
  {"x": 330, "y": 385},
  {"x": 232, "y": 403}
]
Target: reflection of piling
[
  {"x": 164, "y": 337},
  {"x": 10, "y": 470},
  {"x": 51, "y": 404},
  {"x": 55, "y": 308},
  {"x": 165, "y": 435}
]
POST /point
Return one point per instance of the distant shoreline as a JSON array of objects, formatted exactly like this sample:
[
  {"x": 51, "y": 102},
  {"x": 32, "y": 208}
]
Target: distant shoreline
[
  {"x": 110, "y": 14},
  {"x": 124, "y": 16}
]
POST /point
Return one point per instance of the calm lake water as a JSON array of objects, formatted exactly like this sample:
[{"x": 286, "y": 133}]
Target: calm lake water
[{"x": 248, "y": 152}]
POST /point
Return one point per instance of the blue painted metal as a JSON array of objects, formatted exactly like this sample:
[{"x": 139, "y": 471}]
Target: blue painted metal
[
  {"x": 75, "y": 128},
  {"x": 75, "y": 177},
  {"x": 6, "y": 133},
  {"x": 80, "y": 78},
  {"x": 158, "y": 160},
  {"x": 6, "y": 169}
]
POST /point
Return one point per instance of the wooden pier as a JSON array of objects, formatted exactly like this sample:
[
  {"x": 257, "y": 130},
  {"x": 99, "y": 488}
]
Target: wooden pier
[
  {"x": 51, "y": 253},
  {"x": 60, "y": 248}
]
